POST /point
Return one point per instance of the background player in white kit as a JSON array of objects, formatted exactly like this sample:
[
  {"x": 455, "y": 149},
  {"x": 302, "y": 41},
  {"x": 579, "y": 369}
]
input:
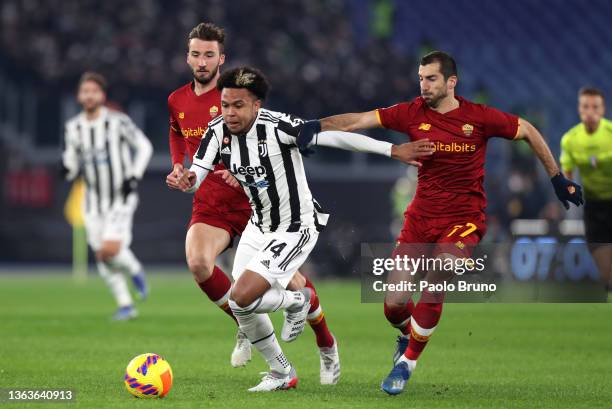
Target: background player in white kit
[
  {"x": 111, "y": 154},
  {"x": 259, "y": 148}
]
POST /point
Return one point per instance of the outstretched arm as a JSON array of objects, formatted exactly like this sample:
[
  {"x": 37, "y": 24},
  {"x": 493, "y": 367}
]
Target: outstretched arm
[
  {"x": 351, "y": 122},
  {"x": 566, "y": 190},
  {"x": 407, "y": 152},
  {"x": 344, "y": 122}
]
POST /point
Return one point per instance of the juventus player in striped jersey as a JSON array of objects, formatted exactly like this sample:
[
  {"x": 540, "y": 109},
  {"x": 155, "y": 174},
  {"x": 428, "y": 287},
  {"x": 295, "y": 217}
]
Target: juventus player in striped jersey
[
  {"x": 98, "y": 146},
  {"x": 259, "y": 147},
  {"x": 221, "y": 212}
]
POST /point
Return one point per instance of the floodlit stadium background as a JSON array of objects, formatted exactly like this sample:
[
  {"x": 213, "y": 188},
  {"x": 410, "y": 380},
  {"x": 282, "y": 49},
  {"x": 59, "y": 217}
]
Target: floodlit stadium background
[{"x": 322, "y": 57}]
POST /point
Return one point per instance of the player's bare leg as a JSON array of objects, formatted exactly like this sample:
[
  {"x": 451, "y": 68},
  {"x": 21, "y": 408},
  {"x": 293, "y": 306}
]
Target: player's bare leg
[
  {"x": 115, "y": 280},
  {"x": 423, "y": 322},
  {"x": 328, "y": 346},
  {"x": 203, "y": 244},
  {"x": 251, "y": 299}
]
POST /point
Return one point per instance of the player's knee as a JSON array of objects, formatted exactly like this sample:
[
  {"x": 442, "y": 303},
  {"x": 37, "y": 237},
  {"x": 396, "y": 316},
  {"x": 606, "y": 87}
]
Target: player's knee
[
  {"x": 241, "y": 297},
  {"x": 107, "y": 253},
  {"x": 396, "y": 300},
  {"x": 109, "y": 250},
  {"x": 201, "y": 266}
]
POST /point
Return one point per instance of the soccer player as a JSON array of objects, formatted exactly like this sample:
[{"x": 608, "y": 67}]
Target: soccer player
[
  {"x": 449, "y": 206},
  {"x": 258, "y": 146},
  {"x": 588, "y": 148},
  {"x": 220, "y": 212},
  {"x": 98, "y": 145}
]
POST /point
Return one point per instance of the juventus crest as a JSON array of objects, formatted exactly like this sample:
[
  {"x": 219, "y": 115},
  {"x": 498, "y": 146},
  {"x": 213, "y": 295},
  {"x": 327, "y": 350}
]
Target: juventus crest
[{"x": 263, "y": 149}]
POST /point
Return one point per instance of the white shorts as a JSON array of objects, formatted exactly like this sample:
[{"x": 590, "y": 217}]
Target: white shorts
[
  {"x": 113, "y": 225},
  {"x": 275, "y": 256}
]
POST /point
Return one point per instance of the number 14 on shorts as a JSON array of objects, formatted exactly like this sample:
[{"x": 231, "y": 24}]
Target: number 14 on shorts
[{"x": 275, "y": 249}]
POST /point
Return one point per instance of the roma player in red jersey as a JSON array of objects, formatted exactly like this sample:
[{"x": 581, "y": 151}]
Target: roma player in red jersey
[
  {"x": 448, "y": 209},
  {"x": 221, "y": 211}
]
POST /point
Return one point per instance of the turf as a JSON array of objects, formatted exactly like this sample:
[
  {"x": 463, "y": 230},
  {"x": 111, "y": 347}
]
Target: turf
[{"x": 57, "y": 334}]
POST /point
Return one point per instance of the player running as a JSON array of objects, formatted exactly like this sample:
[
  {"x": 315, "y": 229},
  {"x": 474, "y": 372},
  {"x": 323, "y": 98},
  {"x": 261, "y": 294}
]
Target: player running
[
  {"x": 98, "y": 146},
  {"x": 588, "y": 147},
  {"x": 259, "y": 148},
  {"x": 220, "y": 212},
  {"x": 449, "y": 206}
]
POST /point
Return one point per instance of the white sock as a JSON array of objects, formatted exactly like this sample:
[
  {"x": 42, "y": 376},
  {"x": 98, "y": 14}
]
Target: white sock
[
  {"x": 127, "y": 262},
  {"x": 275, "y": 299},
  {"x": 411, "y": 363},
  {"x": 273, "y": 354},
  {"x": 259, "y": 330},
  {"x": 116, "y": 283}
]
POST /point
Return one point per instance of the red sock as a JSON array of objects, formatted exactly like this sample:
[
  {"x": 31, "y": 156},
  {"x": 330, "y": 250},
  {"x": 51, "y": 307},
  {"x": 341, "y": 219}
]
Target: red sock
[
  {"x": 423, "y": 322},
  {"x": 398, "y": 316},
  {"x": 316, "y": 319},
  {"x": 217, "y": 288}
]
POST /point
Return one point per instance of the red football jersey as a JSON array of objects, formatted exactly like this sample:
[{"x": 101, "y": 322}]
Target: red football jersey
[
  {"x": 189, "y": 117},
  {"x": 450, "y": 181}
]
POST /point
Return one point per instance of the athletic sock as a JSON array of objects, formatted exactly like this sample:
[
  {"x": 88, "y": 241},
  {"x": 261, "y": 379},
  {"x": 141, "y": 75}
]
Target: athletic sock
[
  {"x": 116, "y": 283},
  {"x": 412, "y": 363},
  {"x": 217, "y": 287},
  {"x": 316, "y": 320},
  {"x": 275, "y": 299},
  {"x": 260, "y": 332},
  {"x": 422, "y": 325}
]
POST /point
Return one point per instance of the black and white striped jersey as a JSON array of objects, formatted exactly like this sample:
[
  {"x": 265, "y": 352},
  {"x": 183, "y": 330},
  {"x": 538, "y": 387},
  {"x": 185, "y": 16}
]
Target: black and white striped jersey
[
  {"x": 269, "y": 167},
  {"x": 105, "y": 152}
]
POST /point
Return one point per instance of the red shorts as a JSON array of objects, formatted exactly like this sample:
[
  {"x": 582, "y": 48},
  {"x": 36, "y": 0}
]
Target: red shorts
[
  {"x": 457, "y": 236},
  {"x": 232, "y": 221}
]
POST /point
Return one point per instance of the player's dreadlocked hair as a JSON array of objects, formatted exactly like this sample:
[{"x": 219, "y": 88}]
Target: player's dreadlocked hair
[
  {"x": 208, "y": 32},
  {"x": 245, "y": 77},
  {"x": 448, "y": 67}
]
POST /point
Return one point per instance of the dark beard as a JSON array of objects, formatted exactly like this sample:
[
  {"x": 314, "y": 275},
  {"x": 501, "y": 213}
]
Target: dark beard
[
  {"x": 434, "y": 102},
  {"x": 207, "y": 81}
]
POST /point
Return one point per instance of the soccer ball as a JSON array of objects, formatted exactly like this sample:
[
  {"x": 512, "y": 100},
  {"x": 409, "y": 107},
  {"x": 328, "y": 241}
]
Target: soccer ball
[{"x": 148, "y": 376}]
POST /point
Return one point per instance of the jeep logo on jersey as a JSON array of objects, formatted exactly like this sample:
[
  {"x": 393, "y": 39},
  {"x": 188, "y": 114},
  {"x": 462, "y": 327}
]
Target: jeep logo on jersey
[
  {"x": 248, "y": 170},
  {"x": 263, "y": 148}
]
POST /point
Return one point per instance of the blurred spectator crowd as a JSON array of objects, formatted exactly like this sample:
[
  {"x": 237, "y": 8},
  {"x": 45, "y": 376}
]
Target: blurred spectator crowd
[{"x": 307, "y": 48}]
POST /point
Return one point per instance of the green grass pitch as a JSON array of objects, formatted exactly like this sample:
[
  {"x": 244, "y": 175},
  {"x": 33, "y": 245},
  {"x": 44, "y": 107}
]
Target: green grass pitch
[{"x": 57, "y": 334}]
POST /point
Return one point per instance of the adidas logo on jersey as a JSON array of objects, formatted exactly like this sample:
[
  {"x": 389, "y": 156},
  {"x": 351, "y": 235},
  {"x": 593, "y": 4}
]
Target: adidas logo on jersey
[
  {"x": 226, "y": 151},
  {"x": 266, "y": 263},
  {"x": 248, "y": 170}
]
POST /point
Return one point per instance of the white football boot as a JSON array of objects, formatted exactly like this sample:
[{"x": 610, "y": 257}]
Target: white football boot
[
  {"x": 241, "y": 355},
  {"x": 274, "y": 381},
  {"x": 295, "y": 320},
  {"x": 330, "y": 364}
]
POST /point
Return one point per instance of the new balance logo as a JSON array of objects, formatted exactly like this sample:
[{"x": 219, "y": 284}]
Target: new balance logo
[
  {"x": 226, "y": 151},
  {"x": 266, "y": 263}
]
